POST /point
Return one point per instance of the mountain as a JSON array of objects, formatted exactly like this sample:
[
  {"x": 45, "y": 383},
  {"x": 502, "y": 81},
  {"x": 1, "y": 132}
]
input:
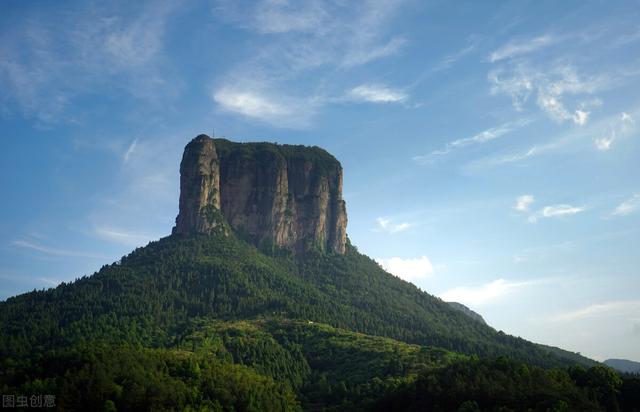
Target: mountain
[
  {"x": 282, "y": 195},
  {"x": 463, "y": 309},
  {"x": 258, "y": 301},
  {"x": 623, "y": 365}
]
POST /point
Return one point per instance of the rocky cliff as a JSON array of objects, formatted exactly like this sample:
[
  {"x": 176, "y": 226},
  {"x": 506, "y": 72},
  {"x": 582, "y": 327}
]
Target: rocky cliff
[{"x": 287, "y": 196}]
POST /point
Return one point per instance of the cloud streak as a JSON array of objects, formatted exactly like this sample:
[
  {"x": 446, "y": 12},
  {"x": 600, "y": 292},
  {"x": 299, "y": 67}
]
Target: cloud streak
[
  {"x": 54, "y": 251},
  {"x": 550, "y": 86},
  {"x": 612, "y": 308},
  {"x": 480, "y": 138},
  {"x": 279, "y": 111},
  {"x": 514, "y": 49},
  {"x": 287, "y": 75},
  {"x": 627, "y": 207},
  {"x": 556, "y": 211},
  {"x": 124, "y": 237},
  {"x": 485, "y": 294},
  {"x": 46, "y": 67},
  {"x": 408, "y": 269},
  {"x": 373, "y": 93},
  {"x": 622, "y": 124}
]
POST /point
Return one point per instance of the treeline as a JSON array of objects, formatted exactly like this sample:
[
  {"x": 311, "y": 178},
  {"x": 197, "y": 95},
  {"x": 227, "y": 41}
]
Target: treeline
[
  {"x": 292, "y": 365},
  {"x": 504, "y": 385},
  {"x": 121, "y": 378}
]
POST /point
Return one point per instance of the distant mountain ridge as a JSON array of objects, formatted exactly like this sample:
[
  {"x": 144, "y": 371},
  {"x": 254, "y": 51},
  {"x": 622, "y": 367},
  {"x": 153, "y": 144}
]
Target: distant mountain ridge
[
  {"x": 464, "y": 309},
  {"x": 623, "y": 365}
]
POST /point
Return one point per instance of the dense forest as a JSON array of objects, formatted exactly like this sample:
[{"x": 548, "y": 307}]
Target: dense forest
[{"x": 213, "y": 323}]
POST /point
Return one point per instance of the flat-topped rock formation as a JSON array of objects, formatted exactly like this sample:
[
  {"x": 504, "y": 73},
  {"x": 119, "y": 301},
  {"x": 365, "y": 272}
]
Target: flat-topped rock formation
[{"x": 288, "y": 196}]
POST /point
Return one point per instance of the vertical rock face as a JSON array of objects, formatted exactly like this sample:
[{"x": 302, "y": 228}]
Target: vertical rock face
[{"x": 288, "y": 196}]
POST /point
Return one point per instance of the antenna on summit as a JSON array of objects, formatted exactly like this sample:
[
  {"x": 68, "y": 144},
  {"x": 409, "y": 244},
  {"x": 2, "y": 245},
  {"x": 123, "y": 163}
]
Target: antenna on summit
[{"x": 213, "y": 132}]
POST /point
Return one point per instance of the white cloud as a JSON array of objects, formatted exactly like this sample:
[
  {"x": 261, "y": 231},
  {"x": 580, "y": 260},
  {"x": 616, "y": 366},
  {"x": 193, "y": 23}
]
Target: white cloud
[
  {"x": 484, "y": 294},
  {"x": 519, "y": 85},
  {"x": 49, "y": 281},
  {"x": 550, "y": 86},
  {"x": 387, "y": 226},
  {"x": 376, "y": 94},
  {"x": 623, "y": 127},
  {"x": 361, "y": 55},
  {"x": 555, "y": 211},
  {"x": 480, "y": 138},
  {"x": 624, "y": 307},
  {"x": 130, "y": 151},
  {"x": 513, "y": 49},
  {"x": 626, "y": 117},
  {"x": 561, "y": 210},
  {"x": 285, "y": 16},
  {"x": 54, "y": 251},
  {"x": 580, "y": 117},
  {"x": 277, "y": 110},
  {"x": 300, "y": 44},
  {"x": 450, "y": 59},
  {"x": 407, "y": 269},
  {"x": 249, "y": 104},
  {"x": 50, "y": 61},
  {"x": 604, "y": 143},
  {"x": 124, "y": 237},
  {"x": 628, "y": 206},
  {"x": 618, "y": 126},
  {"x": 523, "y": 202},
  {"x": 344, "y": 34}
]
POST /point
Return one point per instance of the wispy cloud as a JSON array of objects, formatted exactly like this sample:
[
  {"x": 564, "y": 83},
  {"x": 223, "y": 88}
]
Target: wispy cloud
[
  {"x": 302, "y": 38},
  {"x": 524, "y": 46},
  {"x": 623, "y": 127},
  {"x": 25, "y": 244},
  {"x": 555, "y": 211},
  {"x": 143, "y": 202},
  {"x": 539, "y": 253},
  {"x": 488, "y": 293},
  {"x": 49, "y": 281},
  {"x": 375, "y": 93},
  {"x": 450, "y": 59},
  {"x": 614, "y": 123},
  {"x": 408, "y": 269},
  {"x": 620, "y": 307},
  {"x": 124, "y": 237},
  {"x": 550, "y": 86},
  {"x": 46, "y": 66},
  {"x": 523, "y": 202},
  {"x": 480, "y": 138},
  {"x": 391, "y": 228},
  {"x": 280, "y": 111},
  {"x": 130, "y": 151},
  {"x": 359, "y": 55},
  {"x": 604, "y": 143},
  {"x": 627, "y": 207}
]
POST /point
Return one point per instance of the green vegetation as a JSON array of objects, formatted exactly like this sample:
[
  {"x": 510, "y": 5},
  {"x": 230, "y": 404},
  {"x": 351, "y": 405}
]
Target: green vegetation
[
  {"x": 146, "y": 297},
  {"x": 213, "y": 323},
  {"x": 265, "y": 153},
  {"x": 96, "y": 377},
  {"x": 504, "y": 385}
]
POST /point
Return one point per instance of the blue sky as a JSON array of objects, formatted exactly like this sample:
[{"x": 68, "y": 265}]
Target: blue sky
[{"x": 490, "y": 148}]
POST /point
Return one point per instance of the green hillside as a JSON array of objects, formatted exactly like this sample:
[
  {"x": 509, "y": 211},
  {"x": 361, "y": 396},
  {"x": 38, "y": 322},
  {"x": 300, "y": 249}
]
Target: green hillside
[
  {"x": 149, "y": 295},
  {"x": 213, "y": 323}
]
